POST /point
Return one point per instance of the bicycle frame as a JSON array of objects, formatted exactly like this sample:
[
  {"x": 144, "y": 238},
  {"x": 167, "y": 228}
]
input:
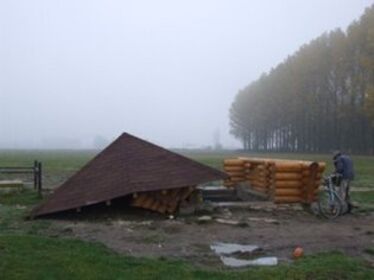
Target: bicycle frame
[
  {"x": 331, "y": 190},
  {"x": 332, "y": 206}
]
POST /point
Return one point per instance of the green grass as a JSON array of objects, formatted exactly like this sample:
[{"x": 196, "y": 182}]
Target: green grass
[
  {"x": 57, "y": 165},
  {"x": 53, "y": 160},
  {"x": 365, "y": 200},
  {"x": 35, "y": 257},
  {"x": 24, "y": 197},
  {"x": 363, "y": 197},
  {"x": 14, "y": 209}
]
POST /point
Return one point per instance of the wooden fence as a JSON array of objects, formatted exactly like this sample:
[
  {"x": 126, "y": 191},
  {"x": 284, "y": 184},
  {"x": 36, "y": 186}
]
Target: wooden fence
[{"x": 36, "y": 171}]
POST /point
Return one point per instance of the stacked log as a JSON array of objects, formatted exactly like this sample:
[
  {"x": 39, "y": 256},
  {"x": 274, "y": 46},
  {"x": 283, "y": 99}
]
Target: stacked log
[
  {"x": 312, "y": 175},
  {"x": 257, "y": 171},
  {"x": 163, "y": 201},
  {"x": 287, "y": 182},
  {"x": 295, "y": 181},
  {"x": 236, "y": 169},
  {"x": 284, "y": 181}
]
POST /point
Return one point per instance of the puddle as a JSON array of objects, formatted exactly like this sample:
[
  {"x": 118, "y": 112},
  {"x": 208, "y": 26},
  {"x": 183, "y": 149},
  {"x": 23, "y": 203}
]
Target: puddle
[
  {"x": 231, "y": 248},
  {"x": 228, "y": 252},
  {"x": 264, "y": 261}
]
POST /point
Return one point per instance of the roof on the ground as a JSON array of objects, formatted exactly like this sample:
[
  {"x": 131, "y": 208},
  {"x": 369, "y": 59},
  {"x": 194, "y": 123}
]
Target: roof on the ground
[{"x": 128, "y": 165}]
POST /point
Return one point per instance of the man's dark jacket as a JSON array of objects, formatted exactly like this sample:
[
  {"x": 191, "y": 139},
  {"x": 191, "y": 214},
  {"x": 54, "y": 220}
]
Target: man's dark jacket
[{"x": 344, "y": 166}]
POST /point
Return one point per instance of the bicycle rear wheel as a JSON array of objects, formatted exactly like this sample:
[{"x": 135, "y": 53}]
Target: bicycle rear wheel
[{"x": 330, "y": 205}]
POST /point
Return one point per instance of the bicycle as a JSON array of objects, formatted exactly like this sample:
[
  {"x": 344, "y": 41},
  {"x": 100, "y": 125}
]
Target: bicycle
[{"x": 330, "y": 204}]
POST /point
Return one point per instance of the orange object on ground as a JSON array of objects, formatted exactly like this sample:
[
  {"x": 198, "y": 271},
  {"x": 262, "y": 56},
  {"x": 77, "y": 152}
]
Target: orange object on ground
[{"x": 298, "y": 252}]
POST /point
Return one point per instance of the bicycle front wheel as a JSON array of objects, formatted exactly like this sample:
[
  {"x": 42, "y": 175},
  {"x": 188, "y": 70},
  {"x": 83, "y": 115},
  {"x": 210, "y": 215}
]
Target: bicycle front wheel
[{"x": 329, "y": 204}]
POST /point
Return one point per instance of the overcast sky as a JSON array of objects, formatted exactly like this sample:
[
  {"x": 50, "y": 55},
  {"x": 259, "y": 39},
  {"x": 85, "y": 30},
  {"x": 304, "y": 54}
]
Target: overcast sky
[{"x": 166, "y": 71}]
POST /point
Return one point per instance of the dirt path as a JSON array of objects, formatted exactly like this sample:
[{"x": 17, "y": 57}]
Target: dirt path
[{"x": 155, "y": 236}]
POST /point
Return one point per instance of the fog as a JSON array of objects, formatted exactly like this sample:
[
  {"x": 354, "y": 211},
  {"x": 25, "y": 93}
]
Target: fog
[{"x": 74, "y": 74}]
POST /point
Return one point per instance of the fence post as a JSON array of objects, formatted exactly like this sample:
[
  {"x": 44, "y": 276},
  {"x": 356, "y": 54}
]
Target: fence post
[
  {"x": 40, "y": 183},
  {"x": 35, "y": 174}
]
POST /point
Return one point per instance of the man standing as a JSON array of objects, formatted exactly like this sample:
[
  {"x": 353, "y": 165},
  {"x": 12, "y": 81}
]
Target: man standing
[{"x": 344, "y": 167}]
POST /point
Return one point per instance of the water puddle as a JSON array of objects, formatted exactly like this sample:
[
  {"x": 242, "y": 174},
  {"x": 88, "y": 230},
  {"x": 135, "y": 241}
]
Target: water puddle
[{"x": 248, "y": 255}]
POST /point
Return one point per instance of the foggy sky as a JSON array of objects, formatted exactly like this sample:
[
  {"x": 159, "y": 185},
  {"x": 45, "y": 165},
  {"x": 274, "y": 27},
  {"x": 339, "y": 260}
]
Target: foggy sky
[{"x": 166, "y": 71}]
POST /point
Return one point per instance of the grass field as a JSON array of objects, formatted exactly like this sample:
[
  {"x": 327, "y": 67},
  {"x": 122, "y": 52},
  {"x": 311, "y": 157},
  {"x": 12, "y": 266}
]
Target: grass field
[
  {"x": 26, "y": 252},
  {"x": 59, "y": 164}
]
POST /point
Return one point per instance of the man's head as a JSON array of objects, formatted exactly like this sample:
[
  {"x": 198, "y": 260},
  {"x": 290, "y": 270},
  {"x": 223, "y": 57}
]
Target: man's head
[{"x": 336, "y": 154}]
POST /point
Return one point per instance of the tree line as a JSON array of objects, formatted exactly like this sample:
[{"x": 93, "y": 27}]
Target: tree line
[{"x": 319, "y": 99}]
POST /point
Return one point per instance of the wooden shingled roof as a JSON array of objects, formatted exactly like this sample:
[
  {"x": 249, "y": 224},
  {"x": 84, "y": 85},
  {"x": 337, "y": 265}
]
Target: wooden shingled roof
[{"x": 128, "y": 165}]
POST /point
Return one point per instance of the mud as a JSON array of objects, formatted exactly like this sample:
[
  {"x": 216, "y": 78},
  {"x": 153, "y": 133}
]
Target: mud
[{"x": 144, "y": 234}]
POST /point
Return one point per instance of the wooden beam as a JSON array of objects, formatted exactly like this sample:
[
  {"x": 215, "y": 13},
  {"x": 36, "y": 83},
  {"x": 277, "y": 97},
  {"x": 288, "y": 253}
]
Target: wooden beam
[{"x": 148, "y": 202}]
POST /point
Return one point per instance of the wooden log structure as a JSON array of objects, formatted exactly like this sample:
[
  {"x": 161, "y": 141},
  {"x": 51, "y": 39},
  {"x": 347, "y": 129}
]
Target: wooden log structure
[
  {"x": 285, "y": 176},
  {"x": 285, "y": 181},
  {"x": 236, "y": 169},
  {"x": 287, "y": 199},
  {"x": 233, "y": 168},
  {"x": 163, "y": 201}
]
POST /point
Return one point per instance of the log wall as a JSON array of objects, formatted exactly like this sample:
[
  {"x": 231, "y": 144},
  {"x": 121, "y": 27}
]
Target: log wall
[{"x": 283, "y": 181}]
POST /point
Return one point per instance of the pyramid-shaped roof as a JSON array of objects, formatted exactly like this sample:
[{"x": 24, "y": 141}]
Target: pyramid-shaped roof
[{"x": 126, "y": 166}]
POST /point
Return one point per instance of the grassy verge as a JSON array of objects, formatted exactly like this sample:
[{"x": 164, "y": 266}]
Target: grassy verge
[
  {"x": 25, "y": 197},
  {"x": 35, "y": 257},
  {"x": 14, "y": 208}
]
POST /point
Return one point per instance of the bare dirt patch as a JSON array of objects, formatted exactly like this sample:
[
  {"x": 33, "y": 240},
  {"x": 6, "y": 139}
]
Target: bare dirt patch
[{"x": 142, "y": 233}]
